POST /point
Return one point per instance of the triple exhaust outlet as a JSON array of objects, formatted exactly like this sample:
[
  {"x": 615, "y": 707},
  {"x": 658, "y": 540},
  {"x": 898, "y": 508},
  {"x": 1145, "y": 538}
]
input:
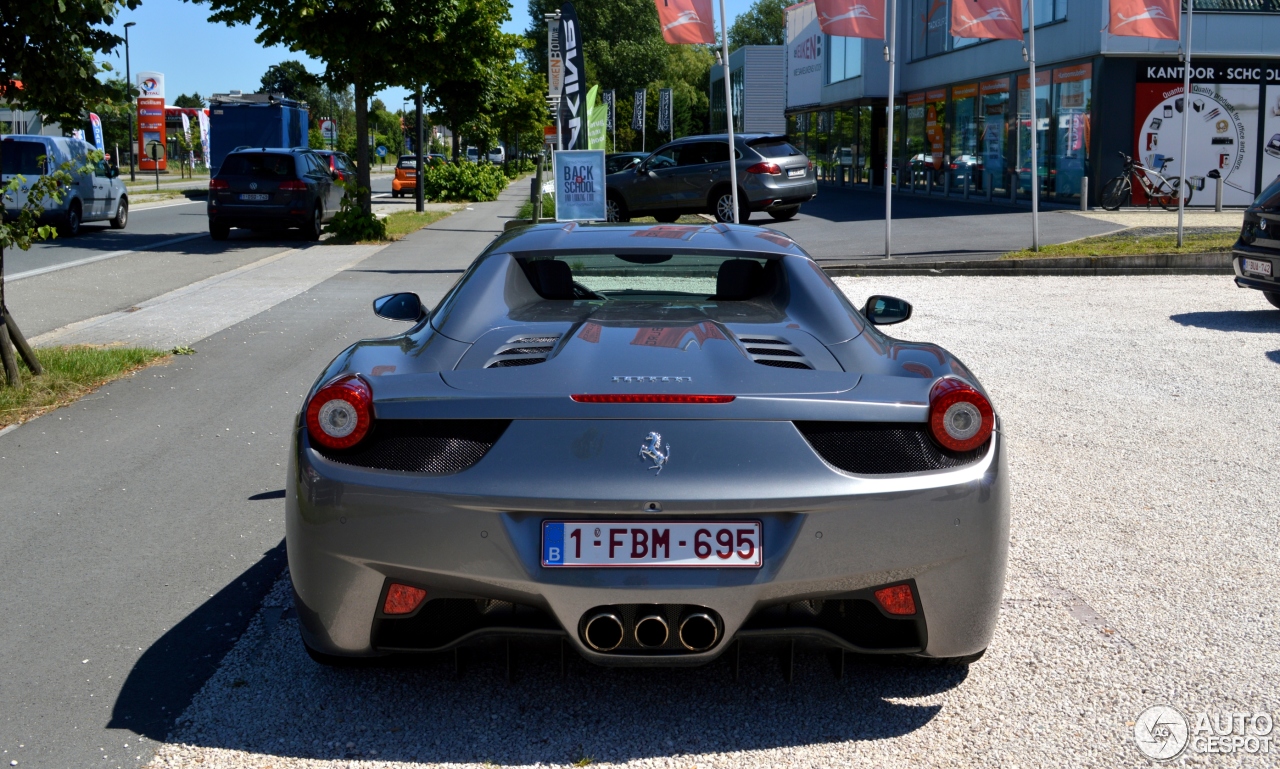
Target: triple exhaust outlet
[{"x": 697, "y": 631}]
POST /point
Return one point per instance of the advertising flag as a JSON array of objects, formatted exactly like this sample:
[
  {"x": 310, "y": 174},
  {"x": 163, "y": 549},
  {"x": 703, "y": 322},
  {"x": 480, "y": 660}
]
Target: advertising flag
[
  {"x": 96, "y": 123},
  {"x": 597, "y": 115},
  {"x": 609, "y": 97},
  {"x": 1145, "y": 18},
  {"x": 202, "y": 117},
  {"x": 990, "y": 19},
  {"x": 664, "y": 110},
  {"x": 852, "y": 18},
  {"x": 686, "y": 21},
  {"x": 637, "y": 110},
  {"x": 574, "y": 72},
  {"x": 186, "y": 125}
]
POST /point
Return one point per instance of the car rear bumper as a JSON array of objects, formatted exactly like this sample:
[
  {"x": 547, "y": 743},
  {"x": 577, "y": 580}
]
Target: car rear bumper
[
  {"x": 351, "y": 531},
  {"x": 406, "y": 184},
  {"x": 283, "y": 216}
]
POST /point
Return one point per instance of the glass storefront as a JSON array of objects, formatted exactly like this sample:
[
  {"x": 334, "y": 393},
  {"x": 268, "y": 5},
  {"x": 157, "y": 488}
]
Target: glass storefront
[{"x": 971, "y": 134}]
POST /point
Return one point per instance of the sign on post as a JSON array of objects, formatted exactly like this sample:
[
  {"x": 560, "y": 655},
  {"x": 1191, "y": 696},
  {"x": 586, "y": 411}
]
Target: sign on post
[
  {"x": 155, "y": 150},
  {"x": 579, "y": 181},
  {"x": 329, "y": 129}
]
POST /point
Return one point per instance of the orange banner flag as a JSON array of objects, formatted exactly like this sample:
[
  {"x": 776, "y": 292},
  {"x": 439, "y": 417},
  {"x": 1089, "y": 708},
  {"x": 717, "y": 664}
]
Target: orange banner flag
[
  {"x": 987, "y": 19},
  {"x": 852, "y": 18},
  {"x": 686, "y": 21},
  {"x": 1145, "y": 18}
]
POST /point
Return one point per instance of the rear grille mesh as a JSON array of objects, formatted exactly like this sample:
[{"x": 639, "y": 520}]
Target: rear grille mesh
[
  {"x": 434, "y": 446},
  {"x": 783, "y": 363},
  {"x": 880, "y": 448}
]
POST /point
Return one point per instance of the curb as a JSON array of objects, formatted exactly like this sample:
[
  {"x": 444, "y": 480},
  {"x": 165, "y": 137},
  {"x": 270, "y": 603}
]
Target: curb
[{"x": 1147, "y": 264}]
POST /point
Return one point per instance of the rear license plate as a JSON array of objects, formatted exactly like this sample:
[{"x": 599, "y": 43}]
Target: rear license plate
[
  {"x": 254, "y": 196},
  {"x": 635, "y": 544},
  {"x": 793, "y": 173},
  {"x": 1257, "y": 267},
  {"x": 415, "y": 173}
]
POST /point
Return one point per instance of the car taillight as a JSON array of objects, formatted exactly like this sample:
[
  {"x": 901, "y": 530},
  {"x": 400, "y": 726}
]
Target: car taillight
[
  {"x": 897, "y": 599},
  {"x": 293, "y": 185},
  {"x": 219, "y": 184},
  {"x": 649, "y": 398},
  {"x": 960, "y": 417},
  {"x": 340, "y": 413},
  {"x": 810, "y": 164},
  {"x": 773, "y": 169}
]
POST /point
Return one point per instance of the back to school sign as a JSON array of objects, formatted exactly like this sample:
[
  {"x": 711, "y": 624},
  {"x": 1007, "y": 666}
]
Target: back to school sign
[{"x": 579, "y": 179}]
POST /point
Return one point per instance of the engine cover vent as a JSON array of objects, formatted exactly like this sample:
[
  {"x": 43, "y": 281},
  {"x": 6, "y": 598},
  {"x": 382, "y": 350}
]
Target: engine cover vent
[
  {"x": 774, "y": 351},
  {"x": 522, "y": 351}
]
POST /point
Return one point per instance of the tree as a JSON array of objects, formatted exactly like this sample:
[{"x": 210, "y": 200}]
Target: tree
[
  {"x": 464, "y": 86},
  {"x": 194, "y": 101},
  {"x": 48, "y": 51},
  {"x": 367, "y": 43},
  {"x": 114, "y": 110},
  {"x": 764, "y": 23},
  {"x": 291, "y": 80},
  {"x": 521, "y": 108}
]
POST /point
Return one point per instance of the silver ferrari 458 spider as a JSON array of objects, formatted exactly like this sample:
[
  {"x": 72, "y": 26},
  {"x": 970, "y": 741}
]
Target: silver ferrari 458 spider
[{"x": 651, "y": 442}]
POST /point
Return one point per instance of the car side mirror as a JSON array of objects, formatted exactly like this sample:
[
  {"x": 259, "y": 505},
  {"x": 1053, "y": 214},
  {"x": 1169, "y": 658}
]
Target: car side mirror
[
  {"x": 886, "y": 310},
  {"x": 404, "y": 306}
]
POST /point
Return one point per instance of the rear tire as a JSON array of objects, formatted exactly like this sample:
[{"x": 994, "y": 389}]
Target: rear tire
[
  {"x": 218, "y": 231},
  {"x": 1115, "y": 193},
  {"x": 948, "y": 662},
  {"x": 71, "y": 223},
  {"x": 315, "y": 229},
  {"x": 122, "y": 215},
  {"x": 615, "y": 210},
  {"x": 1273, "y": 297},
  {"x": 334, "y": 661}
]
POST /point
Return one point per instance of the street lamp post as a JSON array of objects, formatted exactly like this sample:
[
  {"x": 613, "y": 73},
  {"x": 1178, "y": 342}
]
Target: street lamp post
[{"x": 128, "y": 87}]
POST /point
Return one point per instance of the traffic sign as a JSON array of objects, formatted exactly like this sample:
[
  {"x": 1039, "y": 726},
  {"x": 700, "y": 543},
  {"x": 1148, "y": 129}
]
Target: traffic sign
[
  {"x": 382, "y": 151},
  {"x": 329, "y": 129},
  {"x": 155, "y": 150}
]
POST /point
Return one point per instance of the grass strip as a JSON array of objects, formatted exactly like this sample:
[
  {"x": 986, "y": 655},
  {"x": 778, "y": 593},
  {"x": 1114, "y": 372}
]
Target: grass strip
[
  {"x": 70, "y": 373},
  {"x": 1121, "y": 244}
]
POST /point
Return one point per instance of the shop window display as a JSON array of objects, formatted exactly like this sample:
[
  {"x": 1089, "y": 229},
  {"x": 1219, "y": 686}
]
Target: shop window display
[
  {"x": 966, "y": 136},
  {"x": 1072, "y": 98},
  {"x": 1038, "y": 172},
  {"x": 995, "y": 100}
]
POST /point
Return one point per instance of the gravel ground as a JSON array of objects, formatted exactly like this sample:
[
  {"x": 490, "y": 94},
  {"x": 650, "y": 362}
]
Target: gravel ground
[{"x": 1143, "y": 572}]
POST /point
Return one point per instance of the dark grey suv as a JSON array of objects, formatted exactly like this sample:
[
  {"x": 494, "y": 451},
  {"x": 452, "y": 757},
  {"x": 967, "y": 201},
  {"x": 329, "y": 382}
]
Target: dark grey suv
[
  {"x": 267, "y": 189},
  {"x": 691, "y": 175}
]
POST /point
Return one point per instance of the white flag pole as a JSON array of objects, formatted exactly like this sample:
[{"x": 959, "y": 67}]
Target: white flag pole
[
  {"x": 1186, "y": 112},
  {"x": 891, "y": 53},
  {"x": 728, "y": 111},
  {"x": 1031, "y": 98}
]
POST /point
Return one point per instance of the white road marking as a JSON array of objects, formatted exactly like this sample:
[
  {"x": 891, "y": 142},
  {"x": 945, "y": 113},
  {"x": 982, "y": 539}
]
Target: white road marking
[
  {"x": 152, "y": 207},
  {"x": 187, "y": 315},
  {"x": 101, "y": 257},
  {"x": 10, "y": 428}
]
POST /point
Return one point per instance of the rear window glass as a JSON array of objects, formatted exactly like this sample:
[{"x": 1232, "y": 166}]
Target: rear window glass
[
  {"x": 260, "y": 165},
  {"x": 774, "y": 148},
  {"x": 17, "y": 157},
  {"x": 409, "y": 161},
  {"x": 650, "y": 276}
]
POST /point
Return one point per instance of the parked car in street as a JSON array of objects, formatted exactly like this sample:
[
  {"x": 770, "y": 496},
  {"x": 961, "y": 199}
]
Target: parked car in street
[
  {"x": 405, "y": 180},
  {"x": 621, "y": 161},
  {"x": 648, "y": 442},
  {"x": 1256, "y": 254},
  {"x": 272, "y": 189},
  {"x": 497, "y": 155},
  {"x": 473, "y": 155},
  {"x": 691, "y": 175},
  {"x": 339, "y": 163},
  {"x": 96, "y": 194}
]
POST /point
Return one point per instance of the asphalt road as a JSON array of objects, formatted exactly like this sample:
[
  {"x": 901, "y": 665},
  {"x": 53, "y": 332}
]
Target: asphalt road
[{"x": 143, "y": 524}]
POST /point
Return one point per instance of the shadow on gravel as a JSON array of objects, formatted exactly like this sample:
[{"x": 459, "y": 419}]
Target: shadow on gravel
[
  {"x": 1274, "y": 356},
  {"x": 270, "y": 698},
  {"x": 1252, "y": 321},
  {"x": 173, "y": 669}
]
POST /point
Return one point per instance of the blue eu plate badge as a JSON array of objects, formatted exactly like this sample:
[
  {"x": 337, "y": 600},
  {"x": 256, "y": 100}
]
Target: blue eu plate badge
[{"x": 553, "y": 543}]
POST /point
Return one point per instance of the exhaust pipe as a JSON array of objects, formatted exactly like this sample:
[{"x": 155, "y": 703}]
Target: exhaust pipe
[
  {"x": 603, "y": 632},
  {"x": 652, "y": 631},
  {"x": 699, "y": 632}
]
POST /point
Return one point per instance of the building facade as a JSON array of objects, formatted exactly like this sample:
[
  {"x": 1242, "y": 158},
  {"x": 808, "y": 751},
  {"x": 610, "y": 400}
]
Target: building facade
[
  {"x": 758, "y": 85},
  {"x": 963, "y": 106}
]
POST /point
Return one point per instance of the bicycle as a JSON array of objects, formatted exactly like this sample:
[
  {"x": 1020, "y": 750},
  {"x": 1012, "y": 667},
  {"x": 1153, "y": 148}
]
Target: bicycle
[{"x": 1119, "y": 190}]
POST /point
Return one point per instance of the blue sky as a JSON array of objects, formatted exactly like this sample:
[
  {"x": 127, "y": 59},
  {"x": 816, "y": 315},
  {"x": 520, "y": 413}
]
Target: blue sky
[{"x": 176, "y": 38}]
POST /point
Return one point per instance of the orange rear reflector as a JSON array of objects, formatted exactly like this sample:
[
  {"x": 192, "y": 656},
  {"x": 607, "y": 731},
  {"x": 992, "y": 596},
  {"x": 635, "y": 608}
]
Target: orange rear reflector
[
  {"x": 402, "y": 599},
  {"x": 897, "y": 599},
  {"x": 650, "y": 398}
]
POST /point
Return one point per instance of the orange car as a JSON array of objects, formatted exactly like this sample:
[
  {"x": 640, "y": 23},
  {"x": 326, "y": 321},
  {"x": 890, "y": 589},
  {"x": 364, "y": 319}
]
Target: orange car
[{"x": 406, "y": 180}]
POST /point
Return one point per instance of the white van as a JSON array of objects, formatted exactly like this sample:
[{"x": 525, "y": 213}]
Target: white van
[
  {"x": 497, "y": 155},
  {"x": 95, "y": 195}
]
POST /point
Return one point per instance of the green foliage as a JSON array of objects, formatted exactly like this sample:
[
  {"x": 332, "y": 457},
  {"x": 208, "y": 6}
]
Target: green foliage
[
  {"x": 291, "y": 80},
  {"x": 50, "y": 46},
  {"x": 69, "y": 373},
  {"x": 23, "y": 230},
  {"x": 352, "y": 224},
  {"x": 515, "y": 168},
  {"x": 764, "y": 23},
  {"x": 463, "y": 181},
  {"x": 465, "y": 87},
  {"x": 194, "y": 101}
]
